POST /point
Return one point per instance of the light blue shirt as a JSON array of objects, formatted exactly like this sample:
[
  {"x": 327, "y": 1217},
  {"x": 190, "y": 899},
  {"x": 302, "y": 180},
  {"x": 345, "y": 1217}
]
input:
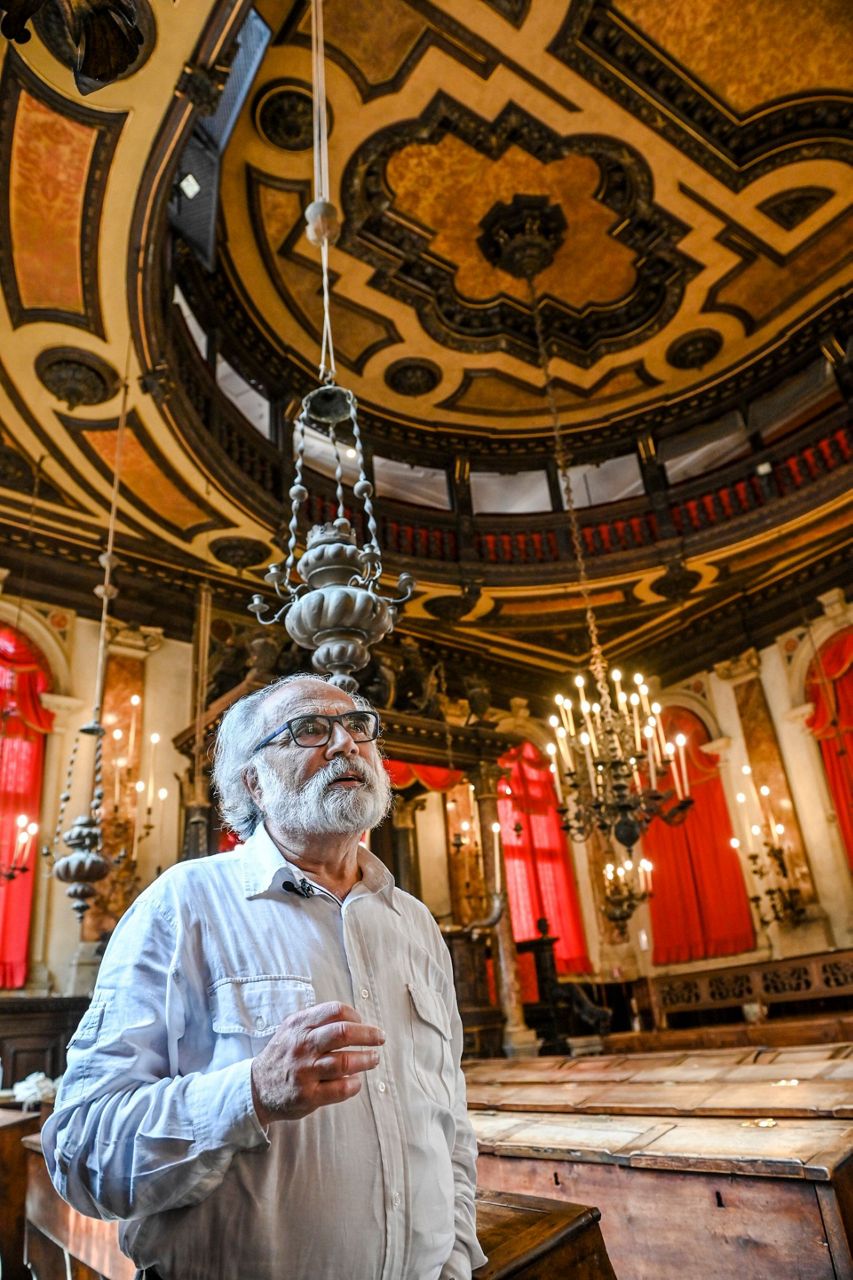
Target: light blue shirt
[{"x": 154, "y": 1122}]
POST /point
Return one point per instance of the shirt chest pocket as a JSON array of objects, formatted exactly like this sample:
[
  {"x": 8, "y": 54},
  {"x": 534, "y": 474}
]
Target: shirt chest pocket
[
  {"x": 431, "y": 1046},
  {"x": 257, "y": 1006}
]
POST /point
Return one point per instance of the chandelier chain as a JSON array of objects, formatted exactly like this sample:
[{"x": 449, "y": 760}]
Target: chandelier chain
[
  {"x": 297, "y": 496},
  {"x": 563, "y": 460}
]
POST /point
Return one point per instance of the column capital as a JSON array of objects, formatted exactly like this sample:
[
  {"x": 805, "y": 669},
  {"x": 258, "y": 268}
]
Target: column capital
[
  {"x": 486, "y": 777},
  {"x": 133, "y": 642},
  {"x": 799, "y": 715},
  {"x": 63, "y": 708},
  {"x": 403, "y": 813},
  {"x": 719, "y": 747},
  {"x": 745, "y": 666}
]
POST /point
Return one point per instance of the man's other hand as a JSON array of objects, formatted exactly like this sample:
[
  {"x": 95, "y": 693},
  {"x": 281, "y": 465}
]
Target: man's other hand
[{"x": 315, "y": 1058}]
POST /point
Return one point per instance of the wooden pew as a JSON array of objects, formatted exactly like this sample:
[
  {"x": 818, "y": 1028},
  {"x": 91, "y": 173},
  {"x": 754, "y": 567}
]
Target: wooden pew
[
  {"x": 525, "y": 1238},
  {"x": 14, "y": 1126}
]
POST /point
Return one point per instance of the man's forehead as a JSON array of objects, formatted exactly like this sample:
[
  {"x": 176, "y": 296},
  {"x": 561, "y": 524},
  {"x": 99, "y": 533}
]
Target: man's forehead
[{"x": 305, "y": 696}]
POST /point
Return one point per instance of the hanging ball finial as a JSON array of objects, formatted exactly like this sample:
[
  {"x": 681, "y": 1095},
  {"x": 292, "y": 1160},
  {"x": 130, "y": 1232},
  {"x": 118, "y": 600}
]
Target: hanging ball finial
[{"x": 323, "y": 222}]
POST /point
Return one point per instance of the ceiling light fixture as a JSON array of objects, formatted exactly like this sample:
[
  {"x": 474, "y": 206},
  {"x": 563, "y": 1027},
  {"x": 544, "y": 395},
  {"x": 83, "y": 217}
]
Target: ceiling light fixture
[
  {"x": 336, "y": 610},
  {"x": 612, "y": 757}
]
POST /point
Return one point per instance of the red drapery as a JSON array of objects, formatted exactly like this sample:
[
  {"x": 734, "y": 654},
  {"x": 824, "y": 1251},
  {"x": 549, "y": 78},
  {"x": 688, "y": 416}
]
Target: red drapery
[
  {"x": 829, "y": 685},
  {"x": 24, "y": 675},
  {"x": 538, "y": 875},
  {"x": 699, "y": 907},
  {"x": 432, "y": 776}
]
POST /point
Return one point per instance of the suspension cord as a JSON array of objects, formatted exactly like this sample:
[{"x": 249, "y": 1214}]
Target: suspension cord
[{"x": 325, "y": 219}]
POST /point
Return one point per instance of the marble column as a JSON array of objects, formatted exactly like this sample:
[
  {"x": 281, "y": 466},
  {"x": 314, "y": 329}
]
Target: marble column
[
  {"x": 407, "y": 870},
  {"x": 518, "y": 1040}
]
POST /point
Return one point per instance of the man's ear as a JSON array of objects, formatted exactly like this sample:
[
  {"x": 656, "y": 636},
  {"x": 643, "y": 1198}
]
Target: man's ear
[{"x": 253, "y": 784}]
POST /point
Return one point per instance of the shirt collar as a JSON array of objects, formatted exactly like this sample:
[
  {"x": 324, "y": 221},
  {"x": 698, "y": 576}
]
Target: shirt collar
[{"x": 265, "y": 868}]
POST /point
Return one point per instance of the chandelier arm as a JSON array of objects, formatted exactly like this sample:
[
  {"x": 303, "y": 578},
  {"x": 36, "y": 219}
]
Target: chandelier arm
[
  {"x": 298, "y": 493},
  {"x": 339, "y": 471}
]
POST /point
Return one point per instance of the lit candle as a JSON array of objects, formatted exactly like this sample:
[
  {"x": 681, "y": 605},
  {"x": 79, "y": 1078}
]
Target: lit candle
[
  {"x": 135, "y": 701},
  {"x": 32, "y": 832},
  {"x": 154, "y": 739},
  {"x": 565, "y": 713},
  {"x": 644, "y": 697},
  {"x": 681, "y": 743},
  {"x": 496, "y": 839},
  {"x": 558, "y": 786},
  {"x": 616, "y": 677},
  {"x": 565, "y": 752},
  {"x": 650, "y": 756},
  {"x": 585, "y": 710},
  {"x": 588, "y": 754},
  {"x": 635, "y": 702},
  {"x": 635, "y": 774},
  {"x": 669, "y": 748},
  {"x": 653, "y": 725},
  {"x": 657, "y": 712}
]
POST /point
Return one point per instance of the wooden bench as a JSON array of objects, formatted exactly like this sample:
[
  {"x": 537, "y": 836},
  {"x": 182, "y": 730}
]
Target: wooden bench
[{"x": 525, "y": 1238}]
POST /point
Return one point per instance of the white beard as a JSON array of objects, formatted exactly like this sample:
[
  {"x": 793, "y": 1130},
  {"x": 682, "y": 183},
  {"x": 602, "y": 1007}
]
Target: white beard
[{"x": 320, "y": 809}]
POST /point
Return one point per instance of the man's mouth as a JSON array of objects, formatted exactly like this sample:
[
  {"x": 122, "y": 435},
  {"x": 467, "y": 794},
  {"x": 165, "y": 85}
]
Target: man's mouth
[{"x": 348, "y": 781}]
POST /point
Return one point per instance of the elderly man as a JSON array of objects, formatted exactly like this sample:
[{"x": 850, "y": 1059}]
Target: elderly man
[{"x": 266, "y": 1084}]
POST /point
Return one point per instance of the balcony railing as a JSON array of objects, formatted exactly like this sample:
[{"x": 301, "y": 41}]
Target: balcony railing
[{"x": 764, "y": 485}]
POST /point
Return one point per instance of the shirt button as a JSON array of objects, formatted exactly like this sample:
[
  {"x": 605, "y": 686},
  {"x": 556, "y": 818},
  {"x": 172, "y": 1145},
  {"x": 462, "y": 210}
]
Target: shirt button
[
  {"x": 259, "y": 1022},
  {"x": 395, "y": 1199},
  {"x": 365, "y": 994},
  {"x": 381, "y": 1086}
]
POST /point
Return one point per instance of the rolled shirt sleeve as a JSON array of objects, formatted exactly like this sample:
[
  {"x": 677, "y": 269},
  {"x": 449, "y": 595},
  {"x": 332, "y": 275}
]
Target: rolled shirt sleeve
[{"x": 130, "y": 1135}]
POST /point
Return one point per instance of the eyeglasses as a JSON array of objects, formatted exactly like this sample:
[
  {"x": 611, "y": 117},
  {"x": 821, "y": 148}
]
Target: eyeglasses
[{"x": 317, "y": 730}]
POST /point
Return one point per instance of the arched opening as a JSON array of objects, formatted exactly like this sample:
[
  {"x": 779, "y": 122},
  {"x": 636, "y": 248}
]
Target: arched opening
[
  {"x": 829, "y": 686},
  {"x": 24, "y": 722},
  {"x": 540, "y": 884},
  {"x": 699, "y": 907}
]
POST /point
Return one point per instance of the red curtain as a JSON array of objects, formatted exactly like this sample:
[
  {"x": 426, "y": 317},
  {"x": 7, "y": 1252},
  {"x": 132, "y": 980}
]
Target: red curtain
[
  {"x": 24, "y": 675},
  {"x": 699, "y": 907},
  {"x": 538, "y": 874},
  {"x": 431, "y": 776},
  {"x": 829, "y": 685}
]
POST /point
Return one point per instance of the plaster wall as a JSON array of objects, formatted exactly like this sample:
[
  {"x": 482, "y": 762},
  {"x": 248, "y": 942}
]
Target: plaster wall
[{"x": 432, "y": 854}]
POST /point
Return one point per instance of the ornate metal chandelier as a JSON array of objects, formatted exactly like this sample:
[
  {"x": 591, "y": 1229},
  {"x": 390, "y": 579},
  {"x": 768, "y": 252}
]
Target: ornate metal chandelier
[
  {"x": 610, "y": 761},
  {"x": 336, "y": 609}
]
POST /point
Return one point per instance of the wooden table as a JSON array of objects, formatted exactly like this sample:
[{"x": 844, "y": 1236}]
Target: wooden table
[
  {"x": 812, "y": 1080},
  {"x": 690, "y": 1198},
  {"x": 14, "y": 1125},
  {"x": 525, "y": 1238}
]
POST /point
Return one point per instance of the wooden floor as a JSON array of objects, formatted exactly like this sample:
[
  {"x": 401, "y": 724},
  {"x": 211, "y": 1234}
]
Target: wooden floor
[{"x": 723, "y": 1165}]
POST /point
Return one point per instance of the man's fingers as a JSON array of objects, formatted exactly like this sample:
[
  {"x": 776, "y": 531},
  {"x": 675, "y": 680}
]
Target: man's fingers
[
  {"x": 345, "y": 1035},
  {"x": 331, "y": 1091},
  {"x": 329, "y": 1011},
  {"x": 351, "y": 1061}
]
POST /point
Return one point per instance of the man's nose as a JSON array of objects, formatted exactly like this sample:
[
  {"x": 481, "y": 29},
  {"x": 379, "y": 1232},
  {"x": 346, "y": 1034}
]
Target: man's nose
[{"x": 341, "y": 741}]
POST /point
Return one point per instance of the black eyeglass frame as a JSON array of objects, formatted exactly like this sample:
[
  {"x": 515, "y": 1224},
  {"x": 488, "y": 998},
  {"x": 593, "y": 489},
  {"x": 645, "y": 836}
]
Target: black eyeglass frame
[{"x": 341, "y": 718}]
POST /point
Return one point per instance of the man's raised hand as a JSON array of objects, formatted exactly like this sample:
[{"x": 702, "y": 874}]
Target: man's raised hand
[{"x": 315, "y": 1058}]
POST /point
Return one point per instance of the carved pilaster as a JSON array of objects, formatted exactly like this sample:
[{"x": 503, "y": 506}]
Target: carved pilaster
[
  {"x": 519, "y": 1040},
  {"x": 407, "y": 871},
  {"x": 765, "y": 759}
]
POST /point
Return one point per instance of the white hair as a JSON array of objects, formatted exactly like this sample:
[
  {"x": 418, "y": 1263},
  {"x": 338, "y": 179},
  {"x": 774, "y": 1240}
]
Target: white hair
[{"x": 244, "y": 724}]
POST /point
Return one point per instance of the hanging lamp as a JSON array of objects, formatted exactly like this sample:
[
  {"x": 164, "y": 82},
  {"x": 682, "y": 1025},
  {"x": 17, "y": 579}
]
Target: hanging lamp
[{"x": 332, "y": 601}]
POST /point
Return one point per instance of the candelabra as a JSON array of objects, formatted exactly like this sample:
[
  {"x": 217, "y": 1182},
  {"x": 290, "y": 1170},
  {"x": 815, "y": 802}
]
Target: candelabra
[
  {"x": 462, "y": 840},
  {"x": 625, "y": 889},
  {"x": 18, "y": 864},
  {"x": 607, "y": 763},
  {"x": 780, "y": 901}
]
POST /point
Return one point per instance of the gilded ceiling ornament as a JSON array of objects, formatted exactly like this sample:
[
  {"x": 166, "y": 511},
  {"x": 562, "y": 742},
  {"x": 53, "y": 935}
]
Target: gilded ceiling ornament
[{"x": 104, "y": 34}]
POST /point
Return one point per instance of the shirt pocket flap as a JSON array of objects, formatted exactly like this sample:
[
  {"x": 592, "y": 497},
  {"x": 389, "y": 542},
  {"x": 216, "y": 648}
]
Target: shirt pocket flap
[
  {"x": 430, "y": 1008},
  {"x": 256, "y": 1006}
]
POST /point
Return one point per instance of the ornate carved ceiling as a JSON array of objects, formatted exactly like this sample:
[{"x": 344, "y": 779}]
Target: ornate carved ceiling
[
  {"x": 690, "y": 165},
  {"x": 701, "y": 171}
]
